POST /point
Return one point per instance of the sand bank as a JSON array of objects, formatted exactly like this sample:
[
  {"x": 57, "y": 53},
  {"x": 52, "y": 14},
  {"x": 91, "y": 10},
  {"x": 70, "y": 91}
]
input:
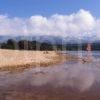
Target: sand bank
[{"x": 12, "y": 59}]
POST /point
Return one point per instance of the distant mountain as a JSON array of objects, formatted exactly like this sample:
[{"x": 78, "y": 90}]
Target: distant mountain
[{"x": 51, "y": 39}]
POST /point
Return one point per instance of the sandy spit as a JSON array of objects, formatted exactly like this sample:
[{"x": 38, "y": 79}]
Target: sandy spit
[{"x": 15, "y": 59}]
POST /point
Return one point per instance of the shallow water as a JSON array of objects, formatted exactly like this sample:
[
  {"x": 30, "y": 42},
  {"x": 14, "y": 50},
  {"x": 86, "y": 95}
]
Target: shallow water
[{"x": 68, "y": 81}]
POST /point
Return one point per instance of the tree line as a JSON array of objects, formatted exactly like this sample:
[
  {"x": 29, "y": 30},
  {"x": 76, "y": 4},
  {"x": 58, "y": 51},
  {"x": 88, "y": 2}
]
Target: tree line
[{"x": 36, "y": 45}]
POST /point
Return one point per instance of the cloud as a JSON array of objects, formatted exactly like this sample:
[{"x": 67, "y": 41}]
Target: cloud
[{"x": 77, "y": 25}]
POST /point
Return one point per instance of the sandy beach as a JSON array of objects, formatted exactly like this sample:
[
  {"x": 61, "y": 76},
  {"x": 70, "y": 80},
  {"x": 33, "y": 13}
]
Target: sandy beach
[{"x": 13, "y": 59}]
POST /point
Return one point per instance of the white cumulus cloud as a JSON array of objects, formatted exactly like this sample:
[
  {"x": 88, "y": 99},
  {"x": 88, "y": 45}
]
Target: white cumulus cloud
[{"x": 78, "y": 25}]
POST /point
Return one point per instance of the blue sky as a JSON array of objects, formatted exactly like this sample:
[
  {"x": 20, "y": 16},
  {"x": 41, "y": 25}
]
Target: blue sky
[{"x": 26, "y": 8}]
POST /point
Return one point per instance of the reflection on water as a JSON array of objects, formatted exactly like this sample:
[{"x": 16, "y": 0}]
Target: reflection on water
[{"x": 71, "y": 80}]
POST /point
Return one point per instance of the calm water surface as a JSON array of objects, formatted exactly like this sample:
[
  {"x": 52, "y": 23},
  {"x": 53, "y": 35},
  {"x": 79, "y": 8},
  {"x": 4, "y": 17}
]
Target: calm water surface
[{"x": 67, "y": 81}]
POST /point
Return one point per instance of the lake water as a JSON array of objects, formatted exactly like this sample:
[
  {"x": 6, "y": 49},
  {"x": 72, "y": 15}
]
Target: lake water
[
  {"x": 67, "y": 81},
  {"x": 95, "y": 54}
]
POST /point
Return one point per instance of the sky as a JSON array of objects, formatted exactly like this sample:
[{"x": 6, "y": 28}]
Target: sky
[
  {"x": 27, "y": 8},
  {"x": 68, "y": 18}
]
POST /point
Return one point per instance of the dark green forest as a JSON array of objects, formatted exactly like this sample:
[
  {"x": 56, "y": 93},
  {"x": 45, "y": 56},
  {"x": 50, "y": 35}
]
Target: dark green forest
[{"x": 35, "y": 45}]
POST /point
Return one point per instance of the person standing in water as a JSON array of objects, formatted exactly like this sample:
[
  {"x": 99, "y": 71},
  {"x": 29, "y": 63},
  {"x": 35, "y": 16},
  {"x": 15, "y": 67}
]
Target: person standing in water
[
  {"x": 89, "y": 47},
  {"x": 89, "y": 53}
]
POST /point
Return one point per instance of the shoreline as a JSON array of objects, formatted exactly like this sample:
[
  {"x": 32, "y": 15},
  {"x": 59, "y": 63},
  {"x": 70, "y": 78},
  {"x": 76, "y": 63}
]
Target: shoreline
[{"x": 11, "y": 60}]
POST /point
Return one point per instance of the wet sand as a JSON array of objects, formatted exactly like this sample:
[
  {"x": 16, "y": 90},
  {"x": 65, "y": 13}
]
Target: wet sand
[
  {"x": 49, "y": 93},
  {"x": 67, "y": 81}
]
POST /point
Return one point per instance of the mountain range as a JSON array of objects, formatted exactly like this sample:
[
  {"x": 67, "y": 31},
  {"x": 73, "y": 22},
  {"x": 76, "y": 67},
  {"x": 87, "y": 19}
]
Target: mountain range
[{"x": 51, "y": 39}]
